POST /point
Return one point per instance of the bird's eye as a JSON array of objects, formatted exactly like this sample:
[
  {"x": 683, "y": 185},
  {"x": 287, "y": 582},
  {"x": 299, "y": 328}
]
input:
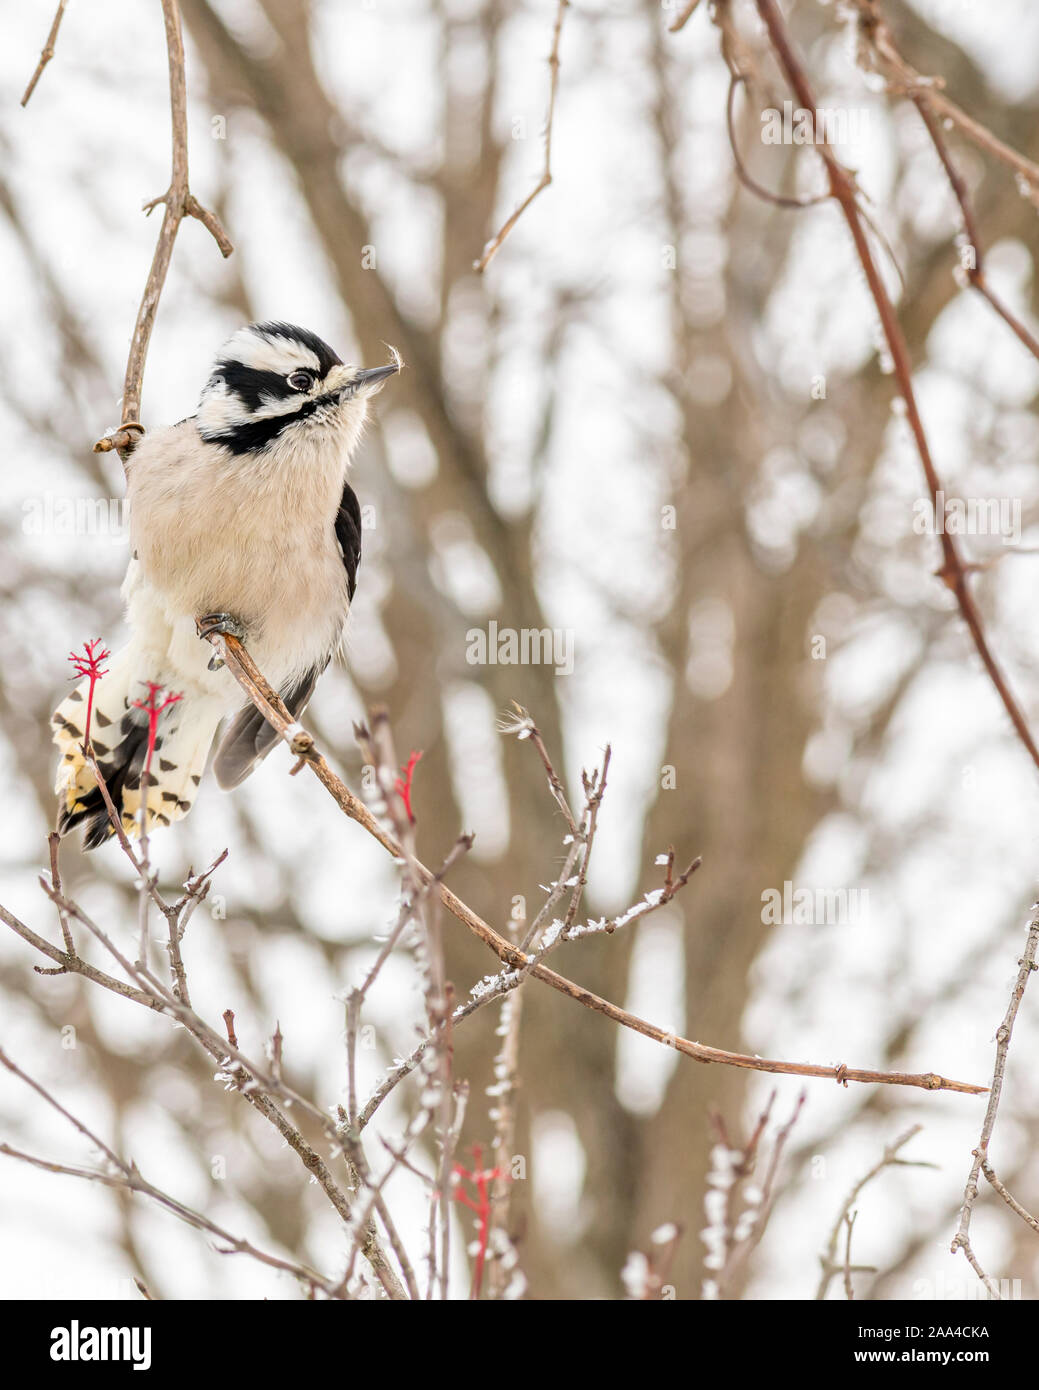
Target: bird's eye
[{"x": 300, "y": 381}]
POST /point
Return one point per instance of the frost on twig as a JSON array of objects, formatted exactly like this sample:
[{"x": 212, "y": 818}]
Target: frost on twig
[{"x": 737, "y": 1203}]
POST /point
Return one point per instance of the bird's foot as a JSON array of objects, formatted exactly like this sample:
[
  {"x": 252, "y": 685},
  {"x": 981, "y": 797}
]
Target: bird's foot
[{"x": 226, "y": 623}]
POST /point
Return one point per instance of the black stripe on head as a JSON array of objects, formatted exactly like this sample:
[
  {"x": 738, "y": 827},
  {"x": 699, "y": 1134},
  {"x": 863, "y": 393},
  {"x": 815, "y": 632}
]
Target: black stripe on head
[
  {"x": 252, "y": 386},
  {"x": 327, "y": 359},
  {"x": 250, "y": 436}
]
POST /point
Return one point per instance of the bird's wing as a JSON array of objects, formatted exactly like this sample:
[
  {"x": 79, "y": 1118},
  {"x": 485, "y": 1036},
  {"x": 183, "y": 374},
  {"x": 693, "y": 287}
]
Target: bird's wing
[{"x": 348, "y": 534}]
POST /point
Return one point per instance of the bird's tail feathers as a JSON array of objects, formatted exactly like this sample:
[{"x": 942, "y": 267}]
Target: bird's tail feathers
[
  {"x": 249, "y": 738},
  {"x": 119, "y": 734}
]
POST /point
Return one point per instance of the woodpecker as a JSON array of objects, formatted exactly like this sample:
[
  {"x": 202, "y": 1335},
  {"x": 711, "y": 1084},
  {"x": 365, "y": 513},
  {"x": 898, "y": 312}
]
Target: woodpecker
[{"x": 241, "y": 521}]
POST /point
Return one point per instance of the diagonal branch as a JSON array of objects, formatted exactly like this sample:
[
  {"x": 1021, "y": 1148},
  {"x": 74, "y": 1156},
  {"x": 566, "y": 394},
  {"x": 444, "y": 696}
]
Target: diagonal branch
[
  {"x": 902, "y": 77},
  {"x": 129, "y": 1177},
  {"x": 494, "y": 245},
  {"x": 974, "y": 272},
  {"x": 954, "y": 573},
  {"x": 268, "y": 702},
  {"x": 48, "y": 52}
]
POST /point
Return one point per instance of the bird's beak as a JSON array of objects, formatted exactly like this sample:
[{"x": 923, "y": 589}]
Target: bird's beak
[
  {"x": 370, "y": 379},
  {"x": 362, "y": 381},
  {"x": 372, "y": 376}
]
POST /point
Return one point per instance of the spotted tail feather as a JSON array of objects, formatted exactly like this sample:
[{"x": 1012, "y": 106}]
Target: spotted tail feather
[{"x": 119, "y": 734}]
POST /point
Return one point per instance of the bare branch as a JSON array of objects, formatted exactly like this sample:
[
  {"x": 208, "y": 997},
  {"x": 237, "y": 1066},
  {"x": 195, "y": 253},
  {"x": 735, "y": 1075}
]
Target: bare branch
[
  {"x": 961, "y": 1240},
  {"x": 1008, "y": 1197},
  {"x": 973, "y": 271},
  {"x": 828, "y": 1259},
  {"x": 252, "y": 1081},
  {"x": 47, "y": 53},
  {"x": 267, "y": 701},
  {"x": 736, "y": 80},
  {"x": 178, "y": 202},
  {"x": 849, "y": 1223},
  {"x": 953, "y": 573},
  {"x": 684, "y": 17},
  {"x": 494, "y": 245},
  {"x": 903, "y": 78},
  {"x": 129, "y": 1176}
]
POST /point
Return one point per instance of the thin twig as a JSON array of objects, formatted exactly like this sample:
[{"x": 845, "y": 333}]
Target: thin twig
[
  {"x": 888, "y": 1159},
  {"x": 767, "y": 1201},
  {"x": 54, "y": 844},
  {"x": 494, "y": 245},
  {"x": 74, "y": 965},
  {"x": 380, "y": 754},
  {"x": 778, "y": 200},
  {"x": 356, "y": 997},
  {"x": 953, "y": 572},
  {"x": 684, "y": 16},
  {"x": 129, "y": 1176},
  {"x": 251, "y": 1080},
  {"x": 267, "y": 701},
  {"x": 849, "y": 1224},
  {"x": 594, "y": 790},
  {"x": 1008, "y": 1197},
  {"x": 903, "y": 78},
  {"x": 972, "y": 272},
  {"x": 178, "y": 202},
  {"x": 48, "y": 52},
  {"x": 503, "y": 1115},
  {"x": 1026, "y": 964}
]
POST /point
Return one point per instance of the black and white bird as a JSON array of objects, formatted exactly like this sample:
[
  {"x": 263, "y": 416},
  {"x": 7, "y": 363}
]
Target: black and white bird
[{"x": 242, "y": 519}]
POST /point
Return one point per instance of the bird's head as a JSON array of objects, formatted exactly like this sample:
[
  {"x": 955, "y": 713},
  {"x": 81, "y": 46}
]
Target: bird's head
[{"x": 273, "y": 383}]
